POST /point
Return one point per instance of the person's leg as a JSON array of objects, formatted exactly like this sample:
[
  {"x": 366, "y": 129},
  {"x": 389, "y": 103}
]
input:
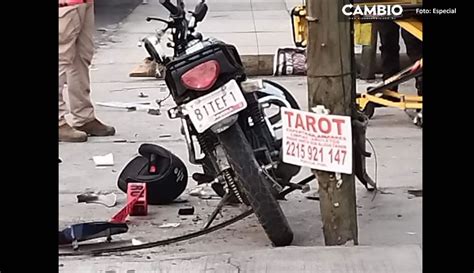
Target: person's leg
[
  {"x": 414, "y": 52},
  {"x": 81, "y": 108},
  {"x": 61, "y": 103},
  {"x": 390, "y": 48},
  {"x": 69, "y": 28}
]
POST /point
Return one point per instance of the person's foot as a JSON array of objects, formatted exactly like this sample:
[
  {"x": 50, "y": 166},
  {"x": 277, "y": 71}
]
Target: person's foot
[
  {"x": 69, "y": 134},
  {"x": 97, "y": 128}
]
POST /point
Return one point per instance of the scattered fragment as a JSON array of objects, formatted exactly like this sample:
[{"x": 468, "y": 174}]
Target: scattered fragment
[
  {"x": 105, "y": 160},
  {"x": 154, "y": 112},
  {"x": 411, "y": 233},
  {"x": 142, "y": 95},
  {"x": 164, "y": 135},
  {"x": 399, "y": 215},
  {"x": 197, "y": 218},
  {"x": 120, "y": 140},
  {"x": 169, "y": 225},
  {"x": 136, "y": 242},
  {"x": 130, "y": 106},
  {"x": 203, "y": 191},
  {"x": 109, "y": 200},
  {"x": 186, "y": 211},
  {"x": 416, "y": 193},
  {"x": 180, "y": 200}
]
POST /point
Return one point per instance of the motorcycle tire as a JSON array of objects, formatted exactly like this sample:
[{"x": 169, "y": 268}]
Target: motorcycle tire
[{"x": 252, "y": 183}]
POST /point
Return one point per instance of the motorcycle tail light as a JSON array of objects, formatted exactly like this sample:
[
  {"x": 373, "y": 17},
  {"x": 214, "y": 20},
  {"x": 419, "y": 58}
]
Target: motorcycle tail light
[{"x": 201, "y": 77}]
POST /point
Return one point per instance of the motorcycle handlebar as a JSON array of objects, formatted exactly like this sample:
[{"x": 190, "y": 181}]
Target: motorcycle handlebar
[{"x": 174, "y": 10}]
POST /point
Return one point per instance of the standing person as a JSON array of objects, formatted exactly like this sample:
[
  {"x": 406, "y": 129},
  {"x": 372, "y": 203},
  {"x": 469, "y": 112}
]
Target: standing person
[
  {"x": 390, "y": 49},
  {"x": 76, "y": 48}
]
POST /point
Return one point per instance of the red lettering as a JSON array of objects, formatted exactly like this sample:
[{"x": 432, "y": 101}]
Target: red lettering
[
  {"x": 299, "y": 122},
  {"x": 328, "y": 125},
  {"x": 289, "y": 114},
  {"x": 339, "y": 123},
  {"x": 310, "y": 122}
]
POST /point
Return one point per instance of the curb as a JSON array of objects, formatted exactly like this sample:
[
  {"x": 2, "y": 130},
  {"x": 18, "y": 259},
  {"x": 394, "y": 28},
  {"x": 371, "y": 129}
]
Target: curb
[{"x": 262, "y": 65}]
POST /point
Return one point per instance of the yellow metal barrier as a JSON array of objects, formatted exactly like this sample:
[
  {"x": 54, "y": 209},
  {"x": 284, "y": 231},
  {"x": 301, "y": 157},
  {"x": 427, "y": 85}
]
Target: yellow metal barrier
[{"x": 365, "y": 101}]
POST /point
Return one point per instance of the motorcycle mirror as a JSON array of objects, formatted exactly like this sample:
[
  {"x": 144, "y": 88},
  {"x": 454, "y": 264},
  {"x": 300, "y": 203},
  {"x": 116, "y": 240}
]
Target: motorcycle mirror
[{"x": 200, "y": 11}]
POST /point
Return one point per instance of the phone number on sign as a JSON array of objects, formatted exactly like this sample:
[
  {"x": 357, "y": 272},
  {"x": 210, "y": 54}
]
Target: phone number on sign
[{"x": 315, "y": 153}]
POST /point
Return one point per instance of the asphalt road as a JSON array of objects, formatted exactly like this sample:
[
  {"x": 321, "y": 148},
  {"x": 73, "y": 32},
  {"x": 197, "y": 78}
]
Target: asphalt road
[{"x": 109, "y": 12}]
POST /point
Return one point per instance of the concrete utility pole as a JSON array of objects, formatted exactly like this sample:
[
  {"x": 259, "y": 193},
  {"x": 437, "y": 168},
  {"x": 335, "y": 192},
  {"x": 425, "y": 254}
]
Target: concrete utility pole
[{"x": 331, "y": 83}]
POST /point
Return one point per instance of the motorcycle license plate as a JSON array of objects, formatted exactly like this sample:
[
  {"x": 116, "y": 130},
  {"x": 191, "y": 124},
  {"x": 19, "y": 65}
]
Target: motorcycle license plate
[{"x": 224, "y": 102}]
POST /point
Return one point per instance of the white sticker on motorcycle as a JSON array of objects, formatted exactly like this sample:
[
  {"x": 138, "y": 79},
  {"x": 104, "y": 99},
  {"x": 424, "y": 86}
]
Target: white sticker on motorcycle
[
  {"x": 224, "y": 102},
  {"x": 319, "y": 141}
]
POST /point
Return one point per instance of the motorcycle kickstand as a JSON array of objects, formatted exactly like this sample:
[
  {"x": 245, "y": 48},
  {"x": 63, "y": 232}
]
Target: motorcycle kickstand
[{"x": 217, "y": 210}]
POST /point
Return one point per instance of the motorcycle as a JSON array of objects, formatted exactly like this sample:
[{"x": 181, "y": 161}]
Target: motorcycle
[{"x": 231, "y": 124}]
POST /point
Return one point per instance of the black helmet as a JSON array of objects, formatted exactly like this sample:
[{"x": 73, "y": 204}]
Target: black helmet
[{"x": 165, "y": 174}]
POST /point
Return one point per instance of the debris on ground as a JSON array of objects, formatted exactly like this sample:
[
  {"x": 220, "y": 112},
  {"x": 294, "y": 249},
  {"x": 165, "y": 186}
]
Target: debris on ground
[
  {"x": 416, "y": 193},
  {"x": 203, "y": 191},
  {"x": 154, "y": 112},
  {"x": 186, "y": 211},
  {"x": 142, "y": 95},
  {"x": 137, "y": 242},
  {"x": 130, "y": 106},
  {"x": 169, "y": 225},
  {"x": 105, "y": 160},
  {"x": 180, "y": 200},
  {"x": 107, "y": 199}
]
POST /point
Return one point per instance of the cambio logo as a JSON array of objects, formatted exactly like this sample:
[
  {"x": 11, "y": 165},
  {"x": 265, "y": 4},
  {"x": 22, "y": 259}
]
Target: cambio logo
[{"x": 375, "y": 10}]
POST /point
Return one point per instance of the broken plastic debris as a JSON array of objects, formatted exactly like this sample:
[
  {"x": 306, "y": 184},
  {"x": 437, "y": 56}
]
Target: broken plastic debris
[
  {"x": 416, "y": 193},
  {"x": 154, "y": 112},
  {"x": 411, "y": 233},
  {"x": 105, "y": 160},
  {"x": 186, "y": 211},
  {"x": 106, "y": 199},
  {"x": 136, "y": 242},
  {"x": 203, "y": 191},
  {"x": 131, "y": 106},
  {"x": 169, "y": 225}
]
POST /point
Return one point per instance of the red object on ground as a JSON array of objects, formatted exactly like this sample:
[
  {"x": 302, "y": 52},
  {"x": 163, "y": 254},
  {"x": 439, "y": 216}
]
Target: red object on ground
[
  {"x": 134, "y": 190},
  {"x": 137, "y": 204}
]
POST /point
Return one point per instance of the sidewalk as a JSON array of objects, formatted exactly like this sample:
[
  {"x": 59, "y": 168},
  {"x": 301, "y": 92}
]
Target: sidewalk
[
  {"x": 256, "y": 27},
  {"x": 397, "y": 259}
]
